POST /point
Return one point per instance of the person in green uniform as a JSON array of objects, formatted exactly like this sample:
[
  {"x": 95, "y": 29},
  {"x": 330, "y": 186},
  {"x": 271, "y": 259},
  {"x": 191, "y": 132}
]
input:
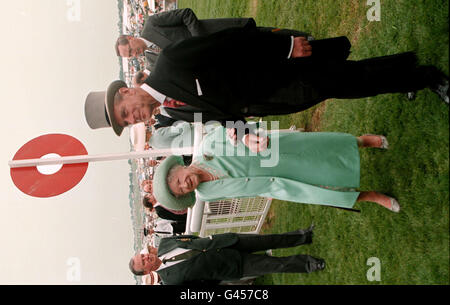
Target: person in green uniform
[{"x": 314, "y": 167}]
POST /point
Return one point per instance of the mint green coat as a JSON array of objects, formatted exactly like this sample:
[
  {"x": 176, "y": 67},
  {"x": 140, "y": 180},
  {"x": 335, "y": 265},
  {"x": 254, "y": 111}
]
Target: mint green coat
[
  {"x": 312, "y": 167},
  {"x": 178, "y": 135}
]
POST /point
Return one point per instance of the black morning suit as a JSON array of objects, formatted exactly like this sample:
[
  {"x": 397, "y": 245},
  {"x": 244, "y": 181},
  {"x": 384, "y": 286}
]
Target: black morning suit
[
  {"x": 229, "y": 257},
  {"x": 239, "y": 75}
]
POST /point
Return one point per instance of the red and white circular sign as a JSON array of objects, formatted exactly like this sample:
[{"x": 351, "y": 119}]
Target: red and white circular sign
[{"x": 32, "y": 182}]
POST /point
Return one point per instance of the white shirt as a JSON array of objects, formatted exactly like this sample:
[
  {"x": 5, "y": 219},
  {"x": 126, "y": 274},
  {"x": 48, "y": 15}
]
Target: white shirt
[
  {"x": 157, "y": 96},
  {"x": 147, "y": 43},
  {"x": 292, "y": 47},
  {"x": 170, "y": 254},
  {"x": 164, "y": 225}
]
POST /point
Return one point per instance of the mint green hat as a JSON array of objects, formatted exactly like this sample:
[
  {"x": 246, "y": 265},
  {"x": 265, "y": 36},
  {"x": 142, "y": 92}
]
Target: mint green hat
[{"x": 161, "y": 190}]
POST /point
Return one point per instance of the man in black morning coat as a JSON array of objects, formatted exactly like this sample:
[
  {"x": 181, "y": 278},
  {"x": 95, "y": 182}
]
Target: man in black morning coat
[
  {"x": 232, "y": 74},
  {"x": 165, "y": 28}
]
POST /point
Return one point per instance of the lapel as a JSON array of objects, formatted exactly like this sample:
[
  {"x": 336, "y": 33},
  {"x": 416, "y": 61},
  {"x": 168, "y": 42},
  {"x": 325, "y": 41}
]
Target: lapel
[
  {"x": 170, "y": 243},
  {"x": 151, "y": 33},
  {"x": 186, "y": 113},
  {"x": 165, "y": 121},
  {"x": 172, "y": 89},
  {"x": 160, "y": 40},
  {"x": 173, "y": 275},
  {"x": 220, "y": 24}
]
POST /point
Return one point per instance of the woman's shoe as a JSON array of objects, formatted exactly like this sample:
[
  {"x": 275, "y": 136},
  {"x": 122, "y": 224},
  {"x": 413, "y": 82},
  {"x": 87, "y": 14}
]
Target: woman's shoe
[
  {"x": 384, "y": 141},
  {"x": 395, "y": 207},
  {"x": 411, "y": 96}
]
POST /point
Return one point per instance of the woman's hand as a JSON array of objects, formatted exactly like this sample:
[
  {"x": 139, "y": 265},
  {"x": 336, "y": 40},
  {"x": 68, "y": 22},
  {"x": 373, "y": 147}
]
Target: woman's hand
[
  {"x": 256, "y": 143},
  {"x": 231, "y": 135}
]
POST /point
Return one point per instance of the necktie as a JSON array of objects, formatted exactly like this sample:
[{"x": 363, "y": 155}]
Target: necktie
[
  {"x": 163, "y": 232},
  {"x": 153, "y": 48},
  {"x": 171, "y": 103},
  {"x": 179, "y": 257}
]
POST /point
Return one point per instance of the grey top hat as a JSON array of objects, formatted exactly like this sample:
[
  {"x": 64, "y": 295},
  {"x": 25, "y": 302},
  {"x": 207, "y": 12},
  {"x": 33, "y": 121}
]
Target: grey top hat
[{"x": 99, "y": 108}]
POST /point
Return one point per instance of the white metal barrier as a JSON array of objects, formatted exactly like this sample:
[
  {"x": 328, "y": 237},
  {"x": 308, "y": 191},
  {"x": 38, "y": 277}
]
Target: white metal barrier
[{"x": 238, "y": 215}]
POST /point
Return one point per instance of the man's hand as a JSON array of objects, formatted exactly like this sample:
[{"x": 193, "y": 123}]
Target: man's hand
[
  {"x": 152, "y": 250},
  {"x": 302, "y": 48},
  {"x": 152, "y": 163},
  {"x": 139, "y": 79},
  {"x": 232, "y": 136},
  {"x": 256, "y": 143}
]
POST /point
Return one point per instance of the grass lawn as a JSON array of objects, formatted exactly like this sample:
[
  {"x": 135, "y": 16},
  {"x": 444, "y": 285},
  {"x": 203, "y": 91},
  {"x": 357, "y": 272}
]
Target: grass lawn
[{"x": 413, "y": 246}]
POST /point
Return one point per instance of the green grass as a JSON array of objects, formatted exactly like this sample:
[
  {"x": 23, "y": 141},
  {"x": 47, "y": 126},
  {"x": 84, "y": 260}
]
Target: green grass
[{"x": 413, "y": 246}]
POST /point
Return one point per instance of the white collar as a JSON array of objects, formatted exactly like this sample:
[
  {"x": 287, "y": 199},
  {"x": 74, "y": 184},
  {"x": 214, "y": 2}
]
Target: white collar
[
  {"x": 171, "y": 253},
  {"x": 147, "y": 43},
  {"x": 155, "y": 94}
]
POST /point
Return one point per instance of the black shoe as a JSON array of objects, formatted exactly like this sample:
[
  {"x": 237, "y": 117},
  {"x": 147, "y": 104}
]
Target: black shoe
[
  {"x": 440, "y": 87},
  {"x": 304, "y": 231},
  {"x": 311, "y": 228},
  {"x": 318, "y": 265},
  {"x": 442, "y": 91},
  {"x": 309, "y": 231},
  {"x": 411, "y": 96}
]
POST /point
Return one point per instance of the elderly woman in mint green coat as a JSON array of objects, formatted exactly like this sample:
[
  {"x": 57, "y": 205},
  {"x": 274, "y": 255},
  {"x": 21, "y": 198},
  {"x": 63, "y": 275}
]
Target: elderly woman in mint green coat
[{"x": 315, "y": 168}]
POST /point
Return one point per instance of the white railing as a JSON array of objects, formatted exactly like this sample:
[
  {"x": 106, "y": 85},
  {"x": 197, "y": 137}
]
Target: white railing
[{"x": 238, "y": 215}]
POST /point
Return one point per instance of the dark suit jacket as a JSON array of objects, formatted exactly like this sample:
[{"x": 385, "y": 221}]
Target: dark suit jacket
[
  {"x": 166, "y": 214},
  {"x": 163, "y": 121},
  {"x": 150, "y": 58},
  {"x": 165, "y": 28},
  {"x": 242, "y": 72},
  {"x": 215, "y": 262}
]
